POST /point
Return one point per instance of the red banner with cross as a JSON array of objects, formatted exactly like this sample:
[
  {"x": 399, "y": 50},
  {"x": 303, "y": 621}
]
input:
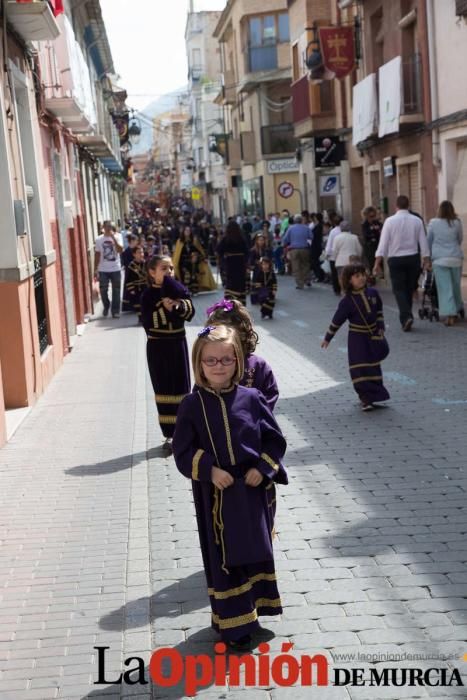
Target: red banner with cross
[{"x": 338, "y": 49}]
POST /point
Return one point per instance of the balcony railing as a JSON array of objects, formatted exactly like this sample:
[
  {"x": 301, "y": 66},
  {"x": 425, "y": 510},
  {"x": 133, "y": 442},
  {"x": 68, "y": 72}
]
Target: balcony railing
[
  {"x": 278, "y": 138},
  {"x": 260, "y": 58},
  {"x": 412, "y": 85}
]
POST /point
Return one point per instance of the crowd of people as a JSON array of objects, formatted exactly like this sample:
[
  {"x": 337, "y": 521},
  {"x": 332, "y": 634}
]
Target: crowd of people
[{"x": 222, "y": 431}]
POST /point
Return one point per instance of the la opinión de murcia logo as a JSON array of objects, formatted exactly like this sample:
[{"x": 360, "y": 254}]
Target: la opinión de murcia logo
[{"x": 169, "y": 668}]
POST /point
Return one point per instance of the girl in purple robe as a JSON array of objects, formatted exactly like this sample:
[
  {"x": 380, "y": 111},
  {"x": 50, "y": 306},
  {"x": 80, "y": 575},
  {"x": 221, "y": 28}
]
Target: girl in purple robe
[
  {"x": 228, "y": 443},
  {"x": 362, "y": 307},
  {"x": 258, "y": 374},
  {"x": 165, "y": 306}
]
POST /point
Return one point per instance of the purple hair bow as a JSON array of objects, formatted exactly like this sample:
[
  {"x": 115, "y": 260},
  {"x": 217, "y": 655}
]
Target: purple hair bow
[
  {"x": 225, "y": 305},
  {"x": 205, "y": 331}
]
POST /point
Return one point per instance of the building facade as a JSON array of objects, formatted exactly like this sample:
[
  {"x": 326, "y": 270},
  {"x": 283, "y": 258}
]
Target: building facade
[{"x": 256, "y": 96}]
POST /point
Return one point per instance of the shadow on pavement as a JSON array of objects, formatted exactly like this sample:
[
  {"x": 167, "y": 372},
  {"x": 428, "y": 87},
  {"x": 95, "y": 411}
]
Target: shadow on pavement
[{"x": 117, "y": 464}]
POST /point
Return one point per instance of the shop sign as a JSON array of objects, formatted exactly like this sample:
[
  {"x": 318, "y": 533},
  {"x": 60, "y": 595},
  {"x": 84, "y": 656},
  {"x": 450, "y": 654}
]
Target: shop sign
[
  {"x": 329, "y": 151},
  {"x": 282, "y": 165},
  {"x": 329, "y": 185}
]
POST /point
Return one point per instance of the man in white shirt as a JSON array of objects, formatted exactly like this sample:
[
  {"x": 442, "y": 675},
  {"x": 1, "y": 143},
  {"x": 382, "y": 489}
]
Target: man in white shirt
[
  {"x": 329, "y": 252},
  {"x": 108, "y": 267},
  {"x": 402, "y": 241}
]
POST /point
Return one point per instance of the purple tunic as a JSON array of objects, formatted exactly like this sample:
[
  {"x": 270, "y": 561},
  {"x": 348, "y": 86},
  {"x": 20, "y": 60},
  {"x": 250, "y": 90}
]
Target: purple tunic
[
  {"x": 234, "y": 258},
  {"x": 233, "y": 429},
  {"x": 135, "y": 284},
  {"x": 264, "y": 290},
  {"x": 364, "y": 312},
  {"x": 167, "y": 354},
  {"x": 259, "y": 375}
]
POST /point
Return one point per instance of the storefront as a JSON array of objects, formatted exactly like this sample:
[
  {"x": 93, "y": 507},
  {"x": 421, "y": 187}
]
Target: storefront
[{"x": 253, "y": 196}]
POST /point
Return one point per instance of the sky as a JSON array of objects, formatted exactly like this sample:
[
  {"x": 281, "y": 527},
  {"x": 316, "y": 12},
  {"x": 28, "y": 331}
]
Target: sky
[{"x": 147, "y": 39}]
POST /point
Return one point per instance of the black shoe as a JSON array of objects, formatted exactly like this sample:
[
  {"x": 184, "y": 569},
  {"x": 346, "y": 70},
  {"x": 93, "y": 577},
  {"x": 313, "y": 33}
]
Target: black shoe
[
  {"x": 105, "y": 312},
  {"x": 407, "y": 325},
  {"x": 115, "y": 315},
  {"x": 241, "y": 644}
]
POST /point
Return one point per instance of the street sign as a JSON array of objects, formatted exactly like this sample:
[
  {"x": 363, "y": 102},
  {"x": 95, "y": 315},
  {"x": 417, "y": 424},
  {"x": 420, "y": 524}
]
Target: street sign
[
  {"x": 329, "y": 185},
  {"x": 195, "y": 193},
  {"x": 285, "y": 189}
]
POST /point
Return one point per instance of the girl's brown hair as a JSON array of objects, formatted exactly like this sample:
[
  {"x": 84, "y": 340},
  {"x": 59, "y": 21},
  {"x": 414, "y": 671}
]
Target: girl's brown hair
[
  {"x": 240, "y": 319},
  {"x": 347, "y": 273},
  {"x": 217, "y": 334},
  {"x": 447, "y": 211},
  {"x": 152, "y": 264}
]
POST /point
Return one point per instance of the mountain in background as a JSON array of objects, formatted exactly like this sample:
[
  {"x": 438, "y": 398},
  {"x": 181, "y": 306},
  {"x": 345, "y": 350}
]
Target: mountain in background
[{"x": 146, "y": 115}]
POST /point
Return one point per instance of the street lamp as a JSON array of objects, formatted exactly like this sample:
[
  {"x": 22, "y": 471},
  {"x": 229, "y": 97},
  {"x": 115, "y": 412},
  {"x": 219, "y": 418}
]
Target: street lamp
[{"x": 134, "y": 132}]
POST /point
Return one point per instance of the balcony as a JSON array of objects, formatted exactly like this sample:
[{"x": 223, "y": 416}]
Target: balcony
[
  {"x": 313, "y": 107},
  {"x": 235, "y": 154},
  {"x": 248, "y": 147},
  {"x": 278, "y": 138},
  {"x": 34, "y": 21},
  {"x": 267, "y": 63},
  {"x": 261, "y": 58},
  {"x": 230, "y": 89},
  {"x": 412, "y": 105}
]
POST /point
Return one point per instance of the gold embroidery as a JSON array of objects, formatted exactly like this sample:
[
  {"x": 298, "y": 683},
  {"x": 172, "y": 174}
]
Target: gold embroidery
[
  {"x": 162, "y": 330},
  {"x": 168, "y": 398},
  {"x": 163, "y": 317},
  {"x": 268, "y": 603},
  {"x": 195, "y": 465},
  {"x": 155, "y": 321},
  {"x": 365, "y": 364},
  {"x": 359, "y": 325},
  {"x": 367, "y": 379},
  {"x": 167, "y": 420},
  {"x": 271, "y": 486},
  {"x": 227, "y": 430},
  {"x": 365, "y": 301},
  {"x": 270, "y": 461},
  {"x": 244, "y": 588},
  {"x": 229, "y": 622}
]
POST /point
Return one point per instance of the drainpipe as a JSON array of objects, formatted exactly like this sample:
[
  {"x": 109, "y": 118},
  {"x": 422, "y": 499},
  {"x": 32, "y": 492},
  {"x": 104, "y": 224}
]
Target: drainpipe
[{"x": 435, "y": 144}]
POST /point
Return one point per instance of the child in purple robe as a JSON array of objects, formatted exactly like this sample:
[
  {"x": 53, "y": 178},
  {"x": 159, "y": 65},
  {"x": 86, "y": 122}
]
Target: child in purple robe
[
  {"x": 228, "y": 443},
  {"x": 165, "y": 306},
  {"x": 135, "y": 282},
  {"x": 264, "y": 287},
  {"x": 362, "y": 307},
  {"x": 258, "y": 374}
]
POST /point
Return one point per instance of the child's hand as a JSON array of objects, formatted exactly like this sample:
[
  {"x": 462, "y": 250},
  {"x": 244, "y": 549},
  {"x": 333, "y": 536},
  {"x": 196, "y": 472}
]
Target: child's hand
[
  {"x": 168, "y": 303},
  {"x": 253, "y": 477},
  {"x": 325, "y": 344},
  {"x": 221, "y": 478}
]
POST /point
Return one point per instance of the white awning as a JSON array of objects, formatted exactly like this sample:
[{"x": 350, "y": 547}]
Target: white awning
[
  {"x": 390, "y": 96},
  {"x": 364, "y": 110}
]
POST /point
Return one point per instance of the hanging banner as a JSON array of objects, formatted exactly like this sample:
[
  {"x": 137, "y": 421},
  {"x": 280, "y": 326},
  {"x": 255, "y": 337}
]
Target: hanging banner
[{"x": 338, "y": 49}]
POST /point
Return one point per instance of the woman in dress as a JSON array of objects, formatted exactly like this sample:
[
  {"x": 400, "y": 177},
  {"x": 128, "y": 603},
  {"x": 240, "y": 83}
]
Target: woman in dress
[{"x": 232, "y": 252}]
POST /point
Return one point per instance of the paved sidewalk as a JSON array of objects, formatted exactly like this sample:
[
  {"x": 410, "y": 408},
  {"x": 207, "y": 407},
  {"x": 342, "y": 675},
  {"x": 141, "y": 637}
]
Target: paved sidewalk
[{"x": 99, "y": 542}]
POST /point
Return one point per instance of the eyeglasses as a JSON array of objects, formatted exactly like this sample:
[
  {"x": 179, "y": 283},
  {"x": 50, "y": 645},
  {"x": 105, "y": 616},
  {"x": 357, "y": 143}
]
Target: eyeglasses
[{"x": 224, "y": 361}]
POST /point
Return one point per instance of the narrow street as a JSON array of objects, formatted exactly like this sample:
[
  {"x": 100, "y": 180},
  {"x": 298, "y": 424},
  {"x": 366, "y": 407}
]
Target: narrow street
[{"x": 100, "y": 546}]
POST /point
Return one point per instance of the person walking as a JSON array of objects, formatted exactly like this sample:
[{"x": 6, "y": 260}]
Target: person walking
[
  {"x": 329, "y": 251},
  {"x": 165, "y": 308},
  {"x": 445, "y": 243},
  {"x": 402, "y": 242},
  {"x": 371, "y": 232},
  {"x": 317, "y": 248},
  {"x": 346, "y": 247},
  {"x": 362, "y": 307},
  {"x": 108, "y": 267},
  {"x": 233, "y": 255},
  {"x": 227, "y": 442},
  {"x": 298, "y": 240}
]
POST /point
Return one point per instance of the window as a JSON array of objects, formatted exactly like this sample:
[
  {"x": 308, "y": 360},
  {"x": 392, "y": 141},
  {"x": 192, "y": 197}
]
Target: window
[
  {"x": 295, "y": 63},
  {"x": 283, "y": 23}
]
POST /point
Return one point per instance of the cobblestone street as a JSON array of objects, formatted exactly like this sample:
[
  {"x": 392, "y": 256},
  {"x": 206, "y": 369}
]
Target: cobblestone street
[{"x": 99, "y": 540}]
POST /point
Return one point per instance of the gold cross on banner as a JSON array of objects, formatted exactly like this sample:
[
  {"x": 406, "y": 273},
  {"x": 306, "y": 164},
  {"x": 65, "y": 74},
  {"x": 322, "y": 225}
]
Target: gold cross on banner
[{"x": 336, "y": 42}]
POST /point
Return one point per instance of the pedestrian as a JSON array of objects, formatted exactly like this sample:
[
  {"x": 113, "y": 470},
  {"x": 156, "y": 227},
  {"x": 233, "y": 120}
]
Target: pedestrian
[
  {"x": 108, "y": 267},
  {"x": 135, "y": 282},
  {"x": 371, "y": 233},
  {"x": 402, "y": 241},
  {"x": 445, "y": 243},
  {"x": 165, "y": 307},
  {"x": 362, "y": 307},
  {"x": 233, "y": 253},
  {"x": 298, "y": 239},
  {"x": 316, "y": 248},
  {"x": 230, "y": 446},
  {"x": 190, "y": 263},
  {"x": 259, "y": 250},
  {"x": 264, "y": 287},
  {"x": 346, "y": 247},
  {"x": 127, "y": 256},
  {"x": 258, "y": 374},
  {"x": 330, "y": 254}
]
